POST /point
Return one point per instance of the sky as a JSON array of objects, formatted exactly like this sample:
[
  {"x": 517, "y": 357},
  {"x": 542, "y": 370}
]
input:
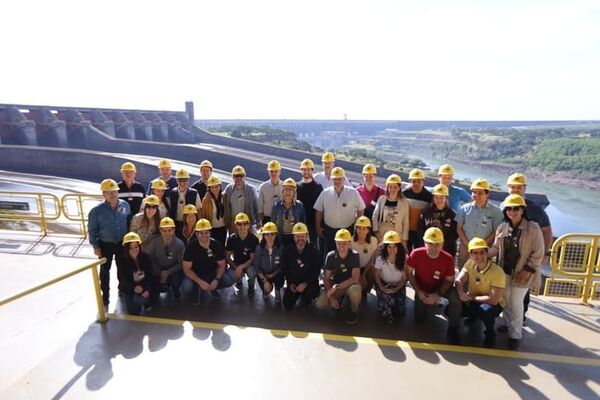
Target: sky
[{"x": 312, "y": 59}]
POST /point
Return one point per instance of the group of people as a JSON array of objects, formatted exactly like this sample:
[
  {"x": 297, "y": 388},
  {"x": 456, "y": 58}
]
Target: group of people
[{"x": 321, "y": 240}]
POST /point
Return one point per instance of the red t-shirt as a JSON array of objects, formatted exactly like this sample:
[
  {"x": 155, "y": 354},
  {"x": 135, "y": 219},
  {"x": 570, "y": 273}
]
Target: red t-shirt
[{"x": 431, "y": 272}]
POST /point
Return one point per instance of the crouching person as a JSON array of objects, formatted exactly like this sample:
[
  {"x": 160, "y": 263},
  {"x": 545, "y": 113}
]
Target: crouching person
[
  {"x": 137, "y": 275},
  {"x": 342, "y": 277},
  {"x": 267, "y": 262},
  {"x": 486, "y": 282},
  {"x": 204, "y": 264},
  {"x": 390, "y": 277},
  {"x": 301, "y": 268}
]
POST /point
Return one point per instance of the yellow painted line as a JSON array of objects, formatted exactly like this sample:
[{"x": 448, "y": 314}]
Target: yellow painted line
[{"x": 480, "y": 351}]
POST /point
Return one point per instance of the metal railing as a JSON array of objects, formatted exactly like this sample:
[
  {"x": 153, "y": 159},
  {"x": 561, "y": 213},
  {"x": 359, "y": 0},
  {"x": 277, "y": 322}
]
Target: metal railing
[
  {"x": 78, "y": 202},
  {"x": 575, "y": 258},
  {"x": 41, "y": 212},
  {"x": 92, "y": 267}
]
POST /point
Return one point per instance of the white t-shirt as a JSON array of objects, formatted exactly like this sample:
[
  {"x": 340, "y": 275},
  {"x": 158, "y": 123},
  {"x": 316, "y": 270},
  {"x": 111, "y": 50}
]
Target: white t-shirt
[
  {"x": 389, "y": 273},
  {"x": 339, "y": 211},
  {"x": 365, "y": 251}
]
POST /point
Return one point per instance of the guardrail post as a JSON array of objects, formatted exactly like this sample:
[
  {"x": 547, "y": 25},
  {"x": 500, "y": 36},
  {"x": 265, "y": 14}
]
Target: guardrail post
[
  {"x": 587, "y": 284},
  {"x": 41, "y": 208},
  {"x": 101, "y": 313}
]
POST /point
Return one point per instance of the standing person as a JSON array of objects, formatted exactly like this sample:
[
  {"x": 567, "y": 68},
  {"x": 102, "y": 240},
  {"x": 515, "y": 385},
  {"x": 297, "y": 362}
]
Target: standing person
[
  {"x": 146, "y": 222},
  {"x": 108, "y": 222},
  {"x": 430, "y": 271},
  {"x": 342, "y": 277},
  {"x": 213, "y": 209},
  {"x": 391, "y": 211},
  {"x": 486, "y": 282},
  {"x": 479, "y": 218},
  {"x": 130, "y": 190},
  {"x": 187, "y": 233},
  {"x": 137, "y": 275},
  {"x": 418, "y": 198},
  {"x": 365, "y": 244},
  {"x": 301, "y": 267},
  {"x": 307, "y": 192},
  {"x": 368, "y": 190},
  {"x": 519, "y": 245},
  {"x": 267, "y": 262},
  {"x": 240, "y": 197},
  {"x": 269, "y": 192},
  {"x": 206, "y": 170},
  {"x": 158, "y": 188},
  {"x": 337, "y": 207},
  {"x": 287, "y": 212},
  {"x": 164, "y": 173},
  {"x": 180, "y": 196},
  {"x": 324, "y": 178},
  {"x": 440, "y": 215},
  {"x": 390, "y": 278},
  {"x": 239, "y": 253},
  {"x": 456, "y": 194}
]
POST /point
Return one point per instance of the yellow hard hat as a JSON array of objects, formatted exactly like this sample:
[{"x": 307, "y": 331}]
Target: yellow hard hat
[
  {"x": 158, "y": 184},
  {"x": 241, "y": 217},
  {"x": 269, "y": 227},
  {"x": 152, "y": 200},
  {"x": 363, "y": 221},
  {"x": 517, "y": 179},
  {"x": 273, "y": 165},
  {"x": 369, "y": 169},
  {"x": 109, "y": 185},
  {"x": 434, "y": 235},
  {"x": 213, "y": 181},
  {"x": 446, "y": 169},
  {"x": 190, "y": 209},
  {"x": 206, "y": 163},
  {"x": 416, "y": 174},
  {"x": 440, "y": 190},
  {"x": 391, "y": 237},
  {"x": 307, "y": 163},
  {"x": 299, "y": 228},
  {"x": 289, "y": 182},
  {"x": 182, "y": 174},
  {"x": 480, "y": 183},
  {"x": 327, "y": 157},
  {"x": 514, "y": 200},
  {"x": 166, "y": 222},
  {"x": 238, "y": 170},
  {"x": 164, "y": 163},
  {"x": 477, "y": 243},
  {"x": 128, "y": 166},
  {"x": 338, "y": 172},
  {"x": 393, "y": 178},
  {"x": 131, "y": 237},
  {"x": 203, "y": 225},
  {"x": 343, "y": 235}
]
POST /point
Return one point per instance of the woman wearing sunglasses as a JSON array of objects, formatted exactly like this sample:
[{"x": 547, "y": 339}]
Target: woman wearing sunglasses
[
  {"x": 146, "y": 222},
  {"x": 267, "y": 262},
  {"x": 288, "y": 212}
]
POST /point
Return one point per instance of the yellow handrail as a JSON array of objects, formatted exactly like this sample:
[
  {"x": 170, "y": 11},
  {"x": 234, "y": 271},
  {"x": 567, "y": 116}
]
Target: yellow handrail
[
  {"x": 41, "y": 215},
  {"x": 81, "y": 216},
  {"x": 91, "y": 267}
]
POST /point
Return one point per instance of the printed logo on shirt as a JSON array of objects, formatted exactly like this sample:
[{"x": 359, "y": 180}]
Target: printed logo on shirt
[
  {"x": 300, "y": 263},
  {"x": 209, "y": 253},
  {"x": 436, "y": 274},
  {"x": 276, "y": 259}
]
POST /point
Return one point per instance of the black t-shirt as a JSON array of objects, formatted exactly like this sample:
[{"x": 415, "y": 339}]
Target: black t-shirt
[
  {"x": 308, "y": 193},
  {"x": 301, "y": 267},
  {"x": 341, "y": 268},
  {"x": 204, "y": 261},
  {"x": 537, "y": 214},
  {"x": 133, "y": 195},
  {"x": 241, "y": 248},
  {"x": 390, "y": 203}
]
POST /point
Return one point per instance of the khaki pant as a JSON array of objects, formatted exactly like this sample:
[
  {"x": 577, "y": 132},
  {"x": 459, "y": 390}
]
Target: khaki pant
[
  {"x": 353, "y": 292},
  {"x": 463, "y": 256}
]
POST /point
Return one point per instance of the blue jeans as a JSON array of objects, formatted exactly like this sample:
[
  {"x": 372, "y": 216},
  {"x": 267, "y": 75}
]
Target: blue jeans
[
  {"x": 135, "y": 303},
  {"x": 486, "y": 312},
  {"x": 192, "y": 287}
]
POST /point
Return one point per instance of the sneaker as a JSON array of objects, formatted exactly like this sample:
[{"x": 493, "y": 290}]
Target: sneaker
[
  {"x": 251, "y": 292},
  {"x": 215, "y": 294},
  {"x": 277, "y": 296},
  {"x": 513, "y": 344},
  {"x": 239, "y": 285},
  {"x": 352, "y": 318},
  {"x": 266, "y": 295},
  {"x": 489, "y": 341},
  {"x": 176, "y": 293},
  {"x": 453, "y": 336},
  {"x": 147, "y": 308}
]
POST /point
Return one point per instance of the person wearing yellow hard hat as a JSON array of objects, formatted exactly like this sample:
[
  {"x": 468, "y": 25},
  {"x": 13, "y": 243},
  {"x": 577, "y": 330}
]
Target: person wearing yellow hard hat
[
  {"x": 146, "y": 222},
  {"x": 479, "y": 218},
  {"x": 213, "y": 209},
  {"x": 485, "y": 284},
  {"x": 456, "y": 194},
  {"x": 130, "y": 190},
  {"x": 307, "y": 192},
  {"x": 431, "y": 274},
  {"x": 323, "y": 178},
  {"x": 165, "y": 174},
  {"x": 239, "y": 253},
  {"x": 439, "y": 215},
  {"x": 267, "y": 262},
  {"x": 206, "y": 170},
  {"x": 418, "y": 198},
  {"x": 108, "y": 222},
  {"x": 365, "y": 244},
  {"x": 187, "y": 233},
  {"x": 204, "y": 265},
  {"x": 287, "y": 212},
  {"x": 519, "y": 245},
  {"x": 391, "y": 278},
  {"x": 342, "y": 277},
  {"x": 301, "y": 266},
  {"x": 166, "y": 253},
  {"x": 270, "y": 191},
  {"x": 158, "y": 188},
  {"x": 179, "y": 197},
  {"x": 137, "y": 283},
  {"x": 240, "y": 197},
  {"x": 368, "y": 190},
  {"x": 392, "y": 211},
  {"x": 337, "y": 207}
]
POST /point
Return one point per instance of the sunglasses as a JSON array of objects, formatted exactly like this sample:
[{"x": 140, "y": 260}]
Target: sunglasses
[
  {"x": 517, "y": 208},
  {"x": 241, "y": 223},
  {"x": 268, "y": 234},
  {"x": 238, "y": 176},
  {"x": 151, "y": 206}
]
